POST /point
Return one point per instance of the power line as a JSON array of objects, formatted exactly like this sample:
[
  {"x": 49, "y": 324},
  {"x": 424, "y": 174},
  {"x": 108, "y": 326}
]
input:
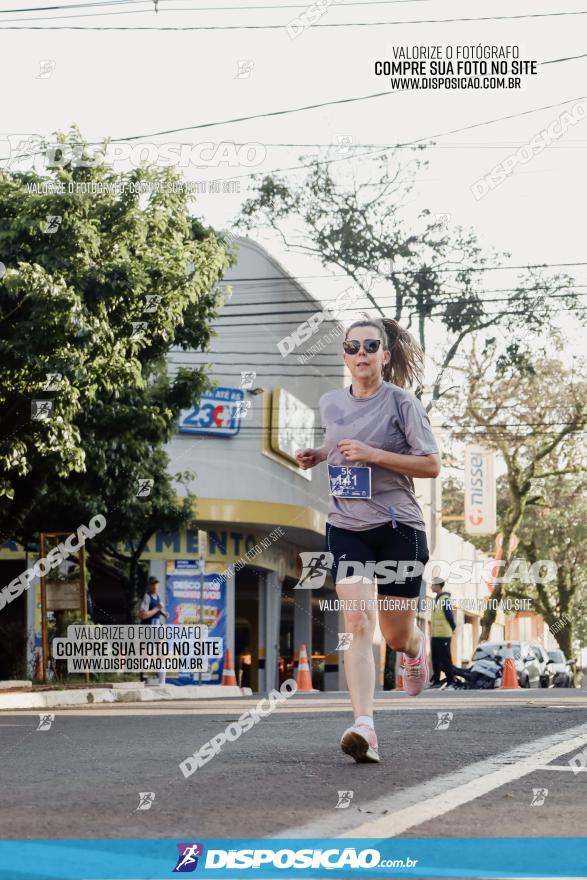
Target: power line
[
  {"x": 314, "y": 163},
  {"x": 474, "y": 430},
  {"x": 232, "y": 27},
  {"x": 317, "y": 162},
  {"x": 289, "y": 278},
  {"x": 568, "y": 58},
  {"x": 212, "y": 357},
  {"x": 380, "y": 299},
  {"x": 377, "y": 153},
  {"x": 221, "y": 322},
  {"x": 417, "y": 271},
  {"x": 103, "y": 3},
  {"x": 76, "y": 15},
  {"x": 278, "y": 314},
  {"x": 259, "y": 116},
  {"x": 96, "y": 3},
  {"x": 576, "y": 143},
  {"x": 241, "y": 323},
  {"x": 150, "y": 9}
]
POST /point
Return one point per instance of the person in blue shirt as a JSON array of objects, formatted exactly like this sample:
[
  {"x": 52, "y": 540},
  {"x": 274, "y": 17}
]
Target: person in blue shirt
[{"x": 153, "y": 612}]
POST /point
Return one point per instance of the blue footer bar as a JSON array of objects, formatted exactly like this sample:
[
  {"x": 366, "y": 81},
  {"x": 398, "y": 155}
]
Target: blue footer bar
[{"x": 225, "y": 859}]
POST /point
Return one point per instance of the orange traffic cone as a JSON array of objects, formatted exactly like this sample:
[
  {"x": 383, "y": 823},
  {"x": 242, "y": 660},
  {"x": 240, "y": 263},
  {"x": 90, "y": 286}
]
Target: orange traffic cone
[
  {"x": 304, "y": 676},
  {"x": 509, "y": 678},
  {"x": 228, "y": 676}
]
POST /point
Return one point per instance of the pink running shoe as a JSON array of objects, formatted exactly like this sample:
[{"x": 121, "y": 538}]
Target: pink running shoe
[
  {"x": 360, "y": 742},
  {"x": 415, "y": 671}
]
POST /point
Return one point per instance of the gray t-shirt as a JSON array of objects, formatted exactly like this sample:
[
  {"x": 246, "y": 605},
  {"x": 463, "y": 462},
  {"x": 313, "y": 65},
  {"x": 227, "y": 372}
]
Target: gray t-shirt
[{"x": 391, "y": 419}]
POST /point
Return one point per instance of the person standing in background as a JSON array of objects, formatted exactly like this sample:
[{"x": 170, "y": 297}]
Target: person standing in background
[
  {"x": 442, "y": 627},
  {"x": 152, "y": 612}
]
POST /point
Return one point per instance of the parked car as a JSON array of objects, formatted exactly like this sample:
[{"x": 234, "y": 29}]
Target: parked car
[
  {"x": 527, "y": 665},
  {"x": 546, "y": 672},
  {"x": 562, "y": 669}
]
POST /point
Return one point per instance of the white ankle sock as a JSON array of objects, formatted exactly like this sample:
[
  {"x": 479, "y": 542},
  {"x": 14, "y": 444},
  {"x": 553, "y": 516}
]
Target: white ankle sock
[{"x": 365, "y": 719}]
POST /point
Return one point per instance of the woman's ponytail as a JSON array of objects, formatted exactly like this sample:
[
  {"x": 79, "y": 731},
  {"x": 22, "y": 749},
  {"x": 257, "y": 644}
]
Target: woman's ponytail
[{"x": 406, "y": 366}]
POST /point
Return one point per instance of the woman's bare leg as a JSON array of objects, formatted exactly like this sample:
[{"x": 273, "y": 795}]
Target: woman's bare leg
[
  {"x": 359, "y": 620},
  {"x": 399, "y": 629},
  {"x": 401, "y": 633}
]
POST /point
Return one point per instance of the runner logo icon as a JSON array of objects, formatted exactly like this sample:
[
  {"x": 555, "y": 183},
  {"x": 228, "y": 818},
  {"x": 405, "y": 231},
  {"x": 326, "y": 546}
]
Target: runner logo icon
[
  {"x": 315, "y": 567},
  {"x": 187, "y": 860}
]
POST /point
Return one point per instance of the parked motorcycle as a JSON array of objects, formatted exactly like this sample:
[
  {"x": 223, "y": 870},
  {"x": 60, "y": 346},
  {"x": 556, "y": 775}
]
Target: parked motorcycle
[{"x": 484, "y": 673}]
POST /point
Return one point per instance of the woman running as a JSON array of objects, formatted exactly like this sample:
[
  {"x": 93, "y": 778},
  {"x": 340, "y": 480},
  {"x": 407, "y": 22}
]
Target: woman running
[{"x": 377, "y": 438}]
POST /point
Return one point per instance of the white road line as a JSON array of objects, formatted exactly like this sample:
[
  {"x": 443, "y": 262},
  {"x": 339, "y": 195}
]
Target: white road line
[{"x": 440, "y": 795}]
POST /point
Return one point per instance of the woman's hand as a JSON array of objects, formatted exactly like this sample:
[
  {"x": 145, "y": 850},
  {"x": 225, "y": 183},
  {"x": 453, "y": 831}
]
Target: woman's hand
[
  {"x": 308, "y": 458},
  {"x": 354, "y": 451}
]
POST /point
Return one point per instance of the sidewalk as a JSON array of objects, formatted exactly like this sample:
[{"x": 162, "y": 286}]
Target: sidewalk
[{"x": 20, "y": 694}]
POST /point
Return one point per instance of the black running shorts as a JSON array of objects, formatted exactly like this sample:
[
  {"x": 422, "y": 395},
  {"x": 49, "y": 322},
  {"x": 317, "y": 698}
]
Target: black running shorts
[{"x": 381, "y": 544}]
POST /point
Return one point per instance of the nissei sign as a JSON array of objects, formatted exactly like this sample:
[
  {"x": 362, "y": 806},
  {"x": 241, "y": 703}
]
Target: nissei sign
[
  {"x": 219, "y": 413},
  {"x": 480, "y": 518}
]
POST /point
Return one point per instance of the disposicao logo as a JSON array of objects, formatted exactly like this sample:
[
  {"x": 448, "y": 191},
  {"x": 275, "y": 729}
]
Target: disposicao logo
[{"x": 187, "y": 860}]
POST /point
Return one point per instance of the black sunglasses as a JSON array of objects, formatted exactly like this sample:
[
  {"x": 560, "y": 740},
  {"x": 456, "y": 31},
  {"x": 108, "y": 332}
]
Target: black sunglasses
[{"x": 353, "y": 346}]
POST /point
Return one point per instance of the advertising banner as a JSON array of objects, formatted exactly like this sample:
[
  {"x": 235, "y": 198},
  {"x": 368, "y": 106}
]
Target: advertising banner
[
  {"x": 312, "y": 858},
  {"x": 480, "y": 515},
  {"x": 185, "y": 606}
]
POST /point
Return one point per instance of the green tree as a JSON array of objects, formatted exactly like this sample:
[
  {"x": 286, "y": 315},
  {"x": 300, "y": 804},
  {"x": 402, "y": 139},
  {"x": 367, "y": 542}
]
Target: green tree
[
  {"x": 580, "y": 614},
  {"x": 125, "y": 252},
  {"x": 509, "y": 406},
  {"x": 556, "y": 531},
  {"x": 418, "y": 271}
]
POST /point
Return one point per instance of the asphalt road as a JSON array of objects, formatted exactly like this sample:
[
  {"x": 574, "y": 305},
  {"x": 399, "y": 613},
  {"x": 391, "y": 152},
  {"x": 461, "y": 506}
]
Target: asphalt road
[{"x": 476, "y": 777}]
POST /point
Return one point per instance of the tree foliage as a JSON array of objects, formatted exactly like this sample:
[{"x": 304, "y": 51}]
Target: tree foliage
[
  {"x": 428, "y": 274},
  {"x": 539, "y": 437},
  {"x": 68, "y": 303},
  {"x": 557, "y": 531}
]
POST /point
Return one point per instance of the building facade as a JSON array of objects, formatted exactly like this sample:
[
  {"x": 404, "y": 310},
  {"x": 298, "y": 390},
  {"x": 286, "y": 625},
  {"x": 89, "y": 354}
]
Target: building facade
[{"x": 257, "y": 508}]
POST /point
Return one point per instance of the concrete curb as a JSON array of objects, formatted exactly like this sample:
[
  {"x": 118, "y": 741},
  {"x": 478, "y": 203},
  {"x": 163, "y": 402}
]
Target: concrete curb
[
  {"x": 171, "y": 692},
  {"x": 126, "y": 694}
]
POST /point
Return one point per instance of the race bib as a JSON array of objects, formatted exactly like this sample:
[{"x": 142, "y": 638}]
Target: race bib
[{"x": 349, "y": 482}]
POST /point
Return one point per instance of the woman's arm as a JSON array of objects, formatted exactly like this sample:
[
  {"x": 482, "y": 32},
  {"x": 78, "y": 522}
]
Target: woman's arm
[
  {"x": 411, "y": 465},
  {"x": 309, "y": 458},
  {"x": 322, "y": 453}
]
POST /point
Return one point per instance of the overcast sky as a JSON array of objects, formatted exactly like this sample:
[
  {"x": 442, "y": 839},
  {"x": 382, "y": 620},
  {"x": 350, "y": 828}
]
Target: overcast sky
[{"x": 122, "y": 83}]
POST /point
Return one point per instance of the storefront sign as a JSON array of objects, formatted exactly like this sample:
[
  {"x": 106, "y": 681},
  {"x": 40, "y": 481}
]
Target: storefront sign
[
  {"x": 218, "y": 414},
  {"x": 225, "y": 546}
]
